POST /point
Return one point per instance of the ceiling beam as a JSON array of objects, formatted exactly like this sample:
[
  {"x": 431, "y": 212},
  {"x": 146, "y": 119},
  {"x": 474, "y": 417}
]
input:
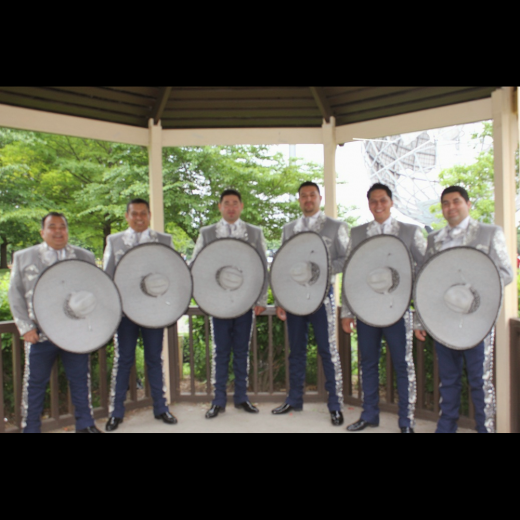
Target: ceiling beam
[
  {"x": 40, "y": 121},
  {"x": 160, "y": 104},
  {"x": 322, "y": 102}
]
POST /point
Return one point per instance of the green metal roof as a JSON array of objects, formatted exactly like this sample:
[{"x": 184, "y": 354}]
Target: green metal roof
[{"x": 237, "y": 107}]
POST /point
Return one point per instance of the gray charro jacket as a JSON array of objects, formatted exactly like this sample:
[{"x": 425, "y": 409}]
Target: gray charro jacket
[
  {"x": 246, "y": 232},
  {"x": 333, "y": 232},
  {"x": 411, "y": 235},
  {"x": 119, "y": 243},
  {"x": 487, "y": 238},
  {"x": 28, "y": 265}
]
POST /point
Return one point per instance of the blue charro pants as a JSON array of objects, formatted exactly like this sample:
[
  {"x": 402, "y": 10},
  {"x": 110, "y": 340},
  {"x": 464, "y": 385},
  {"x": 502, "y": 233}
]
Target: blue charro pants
[
  {"x": 369, "y": 341},
  {"x": 450, "y": 372},
  {"x": 323, "y": 323},
  {"x": 231, "y": 336},
  {"x": 127, "y": 335},
  {"x": 38, "y": 372}
]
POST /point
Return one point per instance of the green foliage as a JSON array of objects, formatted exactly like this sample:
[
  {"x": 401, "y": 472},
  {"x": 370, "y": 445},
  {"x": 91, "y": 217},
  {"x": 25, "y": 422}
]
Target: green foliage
[
  {"x": 477, "y": 178},
  {"x": 91, "y": 182}
]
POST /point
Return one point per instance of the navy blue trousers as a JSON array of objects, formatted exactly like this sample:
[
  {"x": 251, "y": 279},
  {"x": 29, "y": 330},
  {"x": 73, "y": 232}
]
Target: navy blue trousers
[
  {"x": 38, "y": 372},
  {"x": 323, "y": 323},
  {"x": 450, "y": 373},
  {"x": 231, "y": 336},
  {"x": 127, "y": 335},
  {"x": 369, "y": 340}
]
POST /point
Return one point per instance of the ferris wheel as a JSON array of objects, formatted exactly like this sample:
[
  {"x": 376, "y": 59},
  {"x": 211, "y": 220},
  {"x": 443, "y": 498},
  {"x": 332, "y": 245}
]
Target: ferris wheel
[{"x": 407, "y": 164}]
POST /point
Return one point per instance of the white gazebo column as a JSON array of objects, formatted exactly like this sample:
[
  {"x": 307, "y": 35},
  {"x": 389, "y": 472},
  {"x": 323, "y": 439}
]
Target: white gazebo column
[
  {"x": 329, "y": 167},
  {"x": 157, "y": 208},
  {"x": 156, "y": 176},
  {"x": 505, "y": 138}
]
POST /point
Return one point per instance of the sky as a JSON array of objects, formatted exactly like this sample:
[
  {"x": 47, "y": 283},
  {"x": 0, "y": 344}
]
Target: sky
[{"x": 454, "y": 147}]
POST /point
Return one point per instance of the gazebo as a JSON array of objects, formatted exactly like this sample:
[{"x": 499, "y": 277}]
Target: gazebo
[{"x": 158, "y": 117}]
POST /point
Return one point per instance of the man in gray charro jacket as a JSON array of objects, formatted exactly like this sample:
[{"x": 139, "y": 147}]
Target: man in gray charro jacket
[
  {"x": 40, "y": 353},
  {"x": 138, "y": 216},
  {"x": 233, "y": 334},
  {"x": 335, "y": 235},
  {"x": 462, "y": 230},
  {"x": 399, "y": 337}
]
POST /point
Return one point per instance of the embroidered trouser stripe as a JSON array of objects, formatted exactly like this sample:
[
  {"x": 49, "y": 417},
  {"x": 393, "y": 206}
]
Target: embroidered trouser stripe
[
  {"x": 478, "y": 365},
  {"x": 399, "y": 343},
  {"x": 127, "y": 335},
  {"x": 323, "y": 323},
  {"x": 232, "y": 335},
  {"x": 41, "y": 358}
]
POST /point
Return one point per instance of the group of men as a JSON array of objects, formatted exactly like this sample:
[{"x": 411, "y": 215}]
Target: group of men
[{"x": 234, "y": 335}]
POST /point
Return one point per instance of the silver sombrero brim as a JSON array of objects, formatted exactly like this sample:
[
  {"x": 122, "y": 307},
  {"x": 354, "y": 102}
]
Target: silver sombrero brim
[
  {"x": 207, "y": 292},
  {"x": 52, "y": 289},
  {"x": 150, "y": 311},
  {"x": 291, "y": 296},
  {"x": 458, "y": 265},
  {"x": 372, "y": 308}
]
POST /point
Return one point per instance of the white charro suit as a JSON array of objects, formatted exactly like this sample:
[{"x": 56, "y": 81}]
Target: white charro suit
[
  {"x": 28, "y": 265},
  {"x": 125, "y": 340}
]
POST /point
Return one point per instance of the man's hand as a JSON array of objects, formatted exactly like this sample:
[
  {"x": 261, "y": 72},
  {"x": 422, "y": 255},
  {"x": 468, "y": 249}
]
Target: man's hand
[
  {"x": 420, "y": 334},
  {"x": 32, "y": 336},
  {"x": 281, "y": 314},
  {"x": 258, "y": 310},
  {"x": 348, "y": 325}
]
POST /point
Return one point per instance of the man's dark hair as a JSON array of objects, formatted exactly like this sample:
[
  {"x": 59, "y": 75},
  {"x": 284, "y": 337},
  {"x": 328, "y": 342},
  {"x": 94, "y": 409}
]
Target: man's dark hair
[
  {"x": 54, "y": 214},
  {"x": 230, "y": 191},
  {"x": 456, "y": 189},
  {"x": 379, "y": 186},
  {"x": 308, "y": 183},
  {"x": 137, "y": 201}
]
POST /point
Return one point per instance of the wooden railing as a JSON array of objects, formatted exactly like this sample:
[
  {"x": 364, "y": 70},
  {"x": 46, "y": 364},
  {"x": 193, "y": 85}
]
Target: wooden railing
[{"x": 269, "y": 373}]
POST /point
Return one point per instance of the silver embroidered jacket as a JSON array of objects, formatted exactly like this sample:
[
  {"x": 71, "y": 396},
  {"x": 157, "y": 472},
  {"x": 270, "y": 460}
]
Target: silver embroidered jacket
[
  {"x": 28, "y": 265},
  {"x": 119, "y": 243},
  {"x": 242, "y": 231},
  {"x": 334, "y": 234},
  {"x": 487, "y": 238},
  {"x": 411, "y": 235}
]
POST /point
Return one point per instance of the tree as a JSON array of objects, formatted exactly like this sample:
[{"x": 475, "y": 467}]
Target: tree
[
  {"x": 91, "y": 182},
  {"x": 477, "y": 178}
]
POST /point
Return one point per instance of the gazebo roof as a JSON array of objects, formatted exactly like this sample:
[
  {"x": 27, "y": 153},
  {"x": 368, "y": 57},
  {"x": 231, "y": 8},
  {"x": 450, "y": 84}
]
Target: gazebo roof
[{"x": 237, "y": 107}]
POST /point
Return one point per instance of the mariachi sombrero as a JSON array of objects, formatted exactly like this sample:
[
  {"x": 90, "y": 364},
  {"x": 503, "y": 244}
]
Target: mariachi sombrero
[
  {"x": 228, "y": 278},
  {"x": 77, "y": 306},
  {"x": 377, "y": 280},
  {"x": 300, "y": 274},
  {"x": 155, "y": 285},
  {"x": 458, "y": 296}
]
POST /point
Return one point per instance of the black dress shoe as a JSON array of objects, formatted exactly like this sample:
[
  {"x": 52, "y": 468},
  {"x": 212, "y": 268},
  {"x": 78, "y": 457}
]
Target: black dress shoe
[
  {"x": 113, "y": 424},
  {"x": 406, "y": 429},
  {"x": 360, "y": 425},
  {"x": 285, "y": 408},
  {"x": 167, "y": 418},
  {"x": 337, "y": 418},
  {"x": 214, "y": 411},
  {"x": 90, "y": 429},
  {"x": 248, "y": 407}
]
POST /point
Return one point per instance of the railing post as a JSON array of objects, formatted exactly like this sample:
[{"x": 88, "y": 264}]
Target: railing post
[
  {"x": 17, "y": 378},
  {"x": 2, "y": 411}
]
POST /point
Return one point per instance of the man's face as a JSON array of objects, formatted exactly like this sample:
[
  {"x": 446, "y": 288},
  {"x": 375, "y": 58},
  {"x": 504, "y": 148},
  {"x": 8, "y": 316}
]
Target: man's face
[
  {"x": 230, "y": 208},
  {"x": 55, "y": 232},
  {"x": 454, "y": 208},
  {"x": 380, "y": 205},
  {"x": 138, "y": 217},
  {"x": 310, "y": 200}
]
